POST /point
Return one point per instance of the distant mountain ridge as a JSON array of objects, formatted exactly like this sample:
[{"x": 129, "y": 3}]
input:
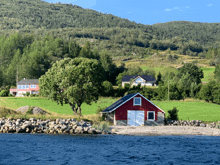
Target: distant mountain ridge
[{"x": 18, "y": 14}]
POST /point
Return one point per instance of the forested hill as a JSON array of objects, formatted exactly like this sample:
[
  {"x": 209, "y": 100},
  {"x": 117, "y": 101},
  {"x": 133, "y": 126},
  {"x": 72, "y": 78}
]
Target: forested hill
[
  {"x": 18, "y": 14},
  {"x": 37, "y": 14}
]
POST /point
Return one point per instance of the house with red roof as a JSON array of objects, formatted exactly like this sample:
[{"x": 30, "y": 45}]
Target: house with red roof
[
  {"x": 134, "y": 110},
  {"x": 24, "y": 86}
]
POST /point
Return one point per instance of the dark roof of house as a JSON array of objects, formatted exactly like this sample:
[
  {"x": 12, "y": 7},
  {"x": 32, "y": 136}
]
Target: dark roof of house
[
  {"x": 123, "y": 100},
  {"x": 145, "y": 77},
  {"x": 28, "y": 81},
  {"x": 119, "y": 102}
]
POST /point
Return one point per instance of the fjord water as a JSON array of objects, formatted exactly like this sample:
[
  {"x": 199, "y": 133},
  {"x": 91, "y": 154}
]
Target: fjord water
[{"x": 43, "y": 149}]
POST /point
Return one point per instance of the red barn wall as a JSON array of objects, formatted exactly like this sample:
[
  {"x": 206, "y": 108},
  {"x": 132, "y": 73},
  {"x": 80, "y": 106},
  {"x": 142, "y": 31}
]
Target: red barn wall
[{"x": 121, "y": 112}]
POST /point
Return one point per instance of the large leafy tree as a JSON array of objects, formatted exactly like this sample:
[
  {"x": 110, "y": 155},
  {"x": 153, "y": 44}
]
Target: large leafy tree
[
  {"x": 73, "y": 82},
  {"x": 195, "y": 73}
]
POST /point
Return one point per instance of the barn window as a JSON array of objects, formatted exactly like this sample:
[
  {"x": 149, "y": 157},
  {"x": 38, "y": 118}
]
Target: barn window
[
  {"x": 137, "y": 101},
  {"x": 151, "y": 115}
]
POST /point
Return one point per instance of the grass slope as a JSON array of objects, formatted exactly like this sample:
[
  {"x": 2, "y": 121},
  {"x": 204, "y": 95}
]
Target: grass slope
[
  {"x": 188, "y": 110},
  {"x": 14, "y": 103}
]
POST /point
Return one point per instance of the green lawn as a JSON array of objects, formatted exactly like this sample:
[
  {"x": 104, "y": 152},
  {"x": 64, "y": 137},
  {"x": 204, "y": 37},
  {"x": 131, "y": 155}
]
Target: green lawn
[
  {"x": 192, "y": 110},
  {"x": 188, "y": 110},
  {"x": 208, "y": 72},
  {"x": 14, "y": 103}
]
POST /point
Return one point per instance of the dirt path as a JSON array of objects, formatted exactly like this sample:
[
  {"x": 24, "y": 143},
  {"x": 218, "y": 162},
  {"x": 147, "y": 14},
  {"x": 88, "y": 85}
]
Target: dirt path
[
  {"x": 165, "y": 130},
  {"x": 3, "y": 101}
]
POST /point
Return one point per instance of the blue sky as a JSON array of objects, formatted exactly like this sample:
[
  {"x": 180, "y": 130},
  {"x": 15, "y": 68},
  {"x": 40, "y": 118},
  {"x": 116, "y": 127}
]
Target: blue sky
[{"x": 154, "y": 11}]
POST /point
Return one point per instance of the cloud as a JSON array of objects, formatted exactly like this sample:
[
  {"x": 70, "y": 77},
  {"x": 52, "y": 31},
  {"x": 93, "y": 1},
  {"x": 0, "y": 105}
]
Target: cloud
[
  {"x": 167, "y": 9},
  {"x": 176, "y": 8},
  {"x": 209, "y": 5}
]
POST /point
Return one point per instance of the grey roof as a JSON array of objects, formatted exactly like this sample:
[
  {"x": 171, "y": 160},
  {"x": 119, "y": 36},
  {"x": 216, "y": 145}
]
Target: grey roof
[
  {"x": 145, "y": 77},
  {"x": 28, "y": 81},
  {"x": 119, "y": 102}
]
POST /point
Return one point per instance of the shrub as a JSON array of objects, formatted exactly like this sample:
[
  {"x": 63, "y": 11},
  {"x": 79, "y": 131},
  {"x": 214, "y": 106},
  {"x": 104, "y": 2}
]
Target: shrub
[
  {"x": 173, "y": 114},
  {"x": 103, "y": 126},
  {"x": 30, "y": 110},
  {"x": 27, "y": 93},
  {"x": 4, "y": 93},
  {"x": 6, "y": 111},
  {"x": 102, "y": 117},
  {"x": 32, "y": 95}
]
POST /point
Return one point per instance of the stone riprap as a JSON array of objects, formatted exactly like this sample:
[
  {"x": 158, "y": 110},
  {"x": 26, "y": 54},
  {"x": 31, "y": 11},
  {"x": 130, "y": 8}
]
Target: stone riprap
[
  {"x": 197, "y": 123},
  {"x": 58, "y": 126},
  {"x": 35, "y": 110}
]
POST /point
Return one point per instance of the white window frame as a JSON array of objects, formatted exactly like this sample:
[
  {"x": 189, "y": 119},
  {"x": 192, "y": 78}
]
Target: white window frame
[
  {"x": 148, "y": 115},
  {"x": 137, "y": 104}
]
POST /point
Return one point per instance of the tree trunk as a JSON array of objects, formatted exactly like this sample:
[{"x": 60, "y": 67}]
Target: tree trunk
[
  {"x": 73, "y": 107},
  {"x": 79, "y": 110}
]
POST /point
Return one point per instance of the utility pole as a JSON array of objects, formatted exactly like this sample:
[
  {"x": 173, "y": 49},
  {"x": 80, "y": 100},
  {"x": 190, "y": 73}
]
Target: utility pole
[
  {"x": 168, "y": 87},
  {"x": 17, "y": 81}
]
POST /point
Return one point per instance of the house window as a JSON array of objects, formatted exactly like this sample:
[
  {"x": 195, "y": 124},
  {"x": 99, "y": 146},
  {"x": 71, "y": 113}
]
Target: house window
[
  {"x": 32, "y": 86},
  {"x": 27, "y": 86},
  {"x": 151, "y": 115},
  {"x": 19, "y": 86},
  {"x": 137, "y": 101}
]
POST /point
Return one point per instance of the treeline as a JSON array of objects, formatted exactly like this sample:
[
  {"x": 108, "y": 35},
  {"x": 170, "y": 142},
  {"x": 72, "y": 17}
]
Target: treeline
[
  {"x": 185, "y": 83},
  {"x": 121, "y": 36},
  {"x": 28, "y": 57}
]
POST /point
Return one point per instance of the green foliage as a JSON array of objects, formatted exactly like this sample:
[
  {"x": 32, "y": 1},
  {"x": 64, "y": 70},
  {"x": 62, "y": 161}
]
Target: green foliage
[
  {"x": 107, "y": 88},
  {"x": 4, "y": 93},
  {"x": 173, "y": 114},
  {"x": 4, "y": 112},
  {"x": 193, "y": 73},
  {"x": 73, "y": 82},
  {"x": 27, "y": 93},
  {"x": 29, "y": 111},
  {"x": 103, "y": 126},
  {"x": 217, "y": 72}
]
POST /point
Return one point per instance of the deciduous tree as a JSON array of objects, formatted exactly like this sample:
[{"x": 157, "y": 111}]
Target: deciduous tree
[{"x": 73, "y": 82}]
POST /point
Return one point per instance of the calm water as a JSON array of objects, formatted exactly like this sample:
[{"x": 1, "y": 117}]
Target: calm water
[{"x": 108, "y": 149}]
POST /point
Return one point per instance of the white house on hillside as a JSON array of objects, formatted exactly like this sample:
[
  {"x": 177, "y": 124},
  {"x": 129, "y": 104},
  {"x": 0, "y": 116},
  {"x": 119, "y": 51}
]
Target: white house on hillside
[{"x": 145, "y": 80}]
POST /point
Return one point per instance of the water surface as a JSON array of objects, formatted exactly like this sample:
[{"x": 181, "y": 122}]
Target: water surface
[{"x": 107, "y": 149}]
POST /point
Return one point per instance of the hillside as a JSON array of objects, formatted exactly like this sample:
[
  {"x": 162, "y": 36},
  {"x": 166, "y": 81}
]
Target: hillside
[{"x": 111, "y": 32}]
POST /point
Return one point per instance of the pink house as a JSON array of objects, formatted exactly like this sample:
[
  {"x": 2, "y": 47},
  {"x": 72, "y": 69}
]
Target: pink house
[{"x": 24, "y": 86}]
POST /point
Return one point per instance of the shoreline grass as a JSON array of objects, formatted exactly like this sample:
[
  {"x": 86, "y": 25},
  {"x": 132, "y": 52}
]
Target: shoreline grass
[{"x": 189, "y": 109}]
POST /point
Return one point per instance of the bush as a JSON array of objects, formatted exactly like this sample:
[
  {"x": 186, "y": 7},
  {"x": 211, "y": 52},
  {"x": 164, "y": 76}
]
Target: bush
[
  {"x": 107, "y": 88},
  {"x": 4, "y": 93},
  {"x": 32, "y": 95},
  {"x": 103, "y": 126},
  {"x": 173, "y": 114},
  {"x": 30, "y": 110},
  {"x": 6, "y": 111},
  {"x": 102, "y": 118},
  {"x": 27, "y": 93}
]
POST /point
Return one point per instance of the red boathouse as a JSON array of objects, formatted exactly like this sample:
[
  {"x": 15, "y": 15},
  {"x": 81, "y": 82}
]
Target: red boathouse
[{"x": 134, "y": 110}]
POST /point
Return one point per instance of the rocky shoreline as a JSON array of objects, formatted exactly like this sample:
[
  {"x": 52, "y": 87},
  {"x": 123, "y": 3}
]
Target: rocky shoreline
[{"x": 58, "y": 126}]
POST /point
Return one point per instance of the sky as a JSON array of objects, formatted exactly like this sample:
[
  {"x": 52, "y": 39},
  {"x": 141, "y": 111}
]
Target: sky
[{"x": 154, "y": 11}]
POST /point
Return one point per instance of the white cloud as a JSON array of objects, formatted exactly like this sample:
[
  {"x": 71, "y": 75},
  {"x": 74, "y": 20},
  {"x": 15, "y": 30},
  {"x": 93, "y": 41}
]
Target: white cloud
[
  {"x": 209, "y": 5},
  {"x": 167, "y": 9},
  {"x": 187, "y": 7},
  {"x": 176, "y": 8}
]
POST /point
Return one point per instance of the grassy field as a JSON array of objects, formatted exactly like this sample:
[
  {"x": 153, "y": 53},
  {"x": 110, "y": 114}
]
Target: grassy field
[
  {"x": 188, "y": 110},
  {"x": 208, "y": 74},
  {"x": 15, "y": 103}
]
